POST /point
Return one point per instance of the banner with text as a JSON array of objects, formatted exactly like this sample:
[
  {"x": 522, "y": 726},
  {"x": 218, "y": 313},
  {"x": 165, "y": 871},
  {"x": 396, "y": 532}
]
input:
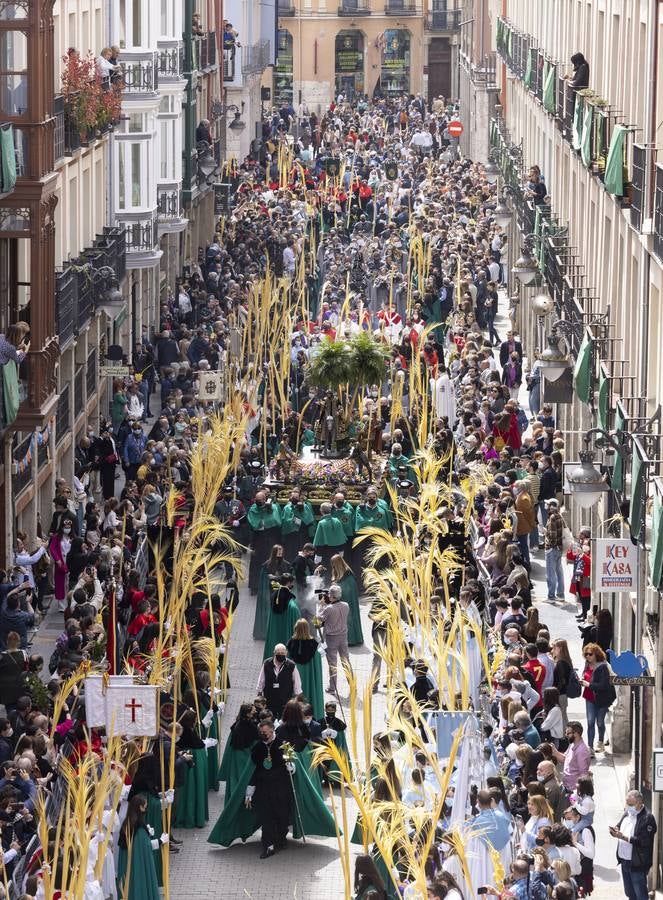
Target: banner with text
[{"x": 615, "y": 565}]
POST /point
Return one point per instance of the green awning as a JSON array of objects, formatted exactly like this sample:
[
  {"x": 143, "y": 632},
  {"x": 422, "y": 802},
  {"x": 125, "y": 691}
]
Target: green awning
[
  {"x": 549, "y": 103},
  {"x": 10, "y": 391},
  {"x": 586, "y": 139},
  {"x": 604, "y": 401},
  {"x": 509, "y": 38},
  {"x": 499, "y": 38},
  {"x": 577, "y": 123},
  {"x": 583, "y": 377},
  {"x": 656, "y": 552},
  {"x": 528, "y": 70},
  {"x": 638, "y": 494},
  {"x": 613, "y": 180},
  {"x": 542, "y": 245},
  {"x": 8, "y": 169},
  {"x": 617, "y": 479},
  {"x": 493, "y": 133}
]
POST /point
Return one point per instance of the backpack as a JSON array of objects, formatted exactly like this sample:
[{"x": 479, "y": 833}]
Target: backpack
[{"x": 573, "y": 686}]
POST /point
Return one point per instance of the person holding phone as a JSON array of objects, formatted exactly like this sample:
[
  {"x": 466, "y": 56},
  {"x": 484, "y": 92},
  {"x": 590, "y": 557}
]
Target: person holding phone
[{"x": 635, "y": 833}]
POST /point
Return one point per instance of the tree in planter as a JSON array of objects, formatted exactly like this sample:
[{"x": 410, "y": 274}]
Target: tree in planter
[
  {"x": 110, "y": 107},
  {"x": 81, "y": 90}
]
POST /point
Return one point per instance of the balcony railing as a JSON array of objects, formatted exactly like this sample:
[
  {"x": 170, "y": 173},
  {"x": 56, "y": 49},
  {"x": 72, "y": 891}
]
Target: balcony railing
[
  {"x": 66, "y": 289},
  {"x": 401, "y": 8},
  {"x": 58, "y": 134},
  {"x": 202, "y": 53},
  {"x": 658, "y": 213},
  {"x": 40, "y": 383},
  {"x": 141, "y": 72},
  {"x": 168, "y": 203},
  {"x": 141, "y": 236},
  {"x": 211, "y": 49},
  {"x": 255, "y": 58},
  {"x": 638, "y": 181},
  {"x": 91, "y": 374},
  {"x": 286, "y": 8},
  {"x": 22, "y": 478},
  {"x": 354, "y": 8},
  {"x": 229, "y": 63},
  {"x": 79, "y": 392},
  {"x": 86, "y": 293},
  {"x": 442, "y": 19},
  {"x": 171, "y": 62},
  {"x": 62, "y": 414}
]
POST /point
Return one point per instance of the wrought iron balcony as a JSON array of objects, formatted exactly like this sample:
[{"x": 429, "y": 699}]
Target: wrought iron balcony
[
  {"x": 169, "y": 203},
  {"x": 171, "y": 62},
  {"x": 62, "y": 425},
  {"x": 286, "y": 8},
  {"x": 354, "y": 8},
  {"x": 440, "y": 18},
  {"x": 142, "y": 235},
  {"x": 255, "y": 58},
  {"x": 59, "y": 131},
  {"x": 141, "y": 72},
  {"x": 401, "y": 8}
]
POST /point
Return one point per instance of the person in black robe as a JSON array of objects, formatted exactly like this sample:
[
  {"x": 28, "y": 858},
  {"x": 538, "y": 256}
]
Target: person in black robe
[{"x": 270, "y": 791}]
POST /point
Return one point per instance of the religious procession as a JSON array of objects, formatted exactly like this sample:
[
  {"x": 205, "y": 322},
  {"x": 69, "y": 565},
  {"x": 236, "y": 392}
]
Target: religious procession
[{"x": 297, "y": 604}]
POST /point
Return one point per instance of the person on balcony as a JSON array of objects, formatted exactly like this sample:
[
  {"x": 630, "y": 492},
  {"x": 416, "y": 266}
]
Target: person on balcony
[
  {"x": 203, "y": 132},
  {"x": 13, "y": 349},
  {"x": 580, "y": 77},
  {"x": 104, "y": 65}
]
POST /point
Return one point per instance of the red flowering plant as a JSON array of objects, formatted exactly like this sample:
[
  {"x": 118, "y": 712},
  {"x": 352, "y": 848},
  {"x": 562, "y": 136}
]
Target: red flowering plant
[
  {"x": 81, "y": 89},
  {"x": 110, "y": 106}
]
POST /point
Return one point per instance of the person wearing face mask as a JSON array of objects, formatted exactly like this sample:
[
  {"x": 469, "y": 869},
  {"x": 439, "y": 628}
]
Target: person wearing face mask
[
  {"x": 345, "y": 513},
  {"x": 279, "y": 680},
  {"x": 584, "y": 840},
  {"x": 546, "y": 774},
  {"x": 635, "y": 834},
  {"x": 132, "y": 452},
  {"x": 330, "y": 537},
  {"x": 264, "y": 518},
  {"x": 59, "y": 547},
  {"x": 297, "y": 524}
]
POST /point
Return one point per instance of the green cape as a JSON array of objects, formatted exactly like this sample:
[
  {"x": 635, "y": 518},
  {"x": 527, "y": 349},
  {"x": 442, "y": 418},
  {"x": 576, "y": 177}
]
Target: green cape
[
  {"x": 142, "y": 875},
  {"x": 329, "y": 533},
  {"x": 263, "y": 601},
  {"x": 348, "y": 585},
  {"x": 280, "y": 627},
  {"x": 346, "y": 516},
  {"x": 305, "y": 516},
  {"x": 261, "y": 518},
  {"x": 377, "y": 517},
  {"x": 192, "y": 810},
  {"x": 154, "y": 818},
  {"x": 232, "y": 765},
  {"x": 311, "y": 676},
  {"x": 236, "y": 822}
]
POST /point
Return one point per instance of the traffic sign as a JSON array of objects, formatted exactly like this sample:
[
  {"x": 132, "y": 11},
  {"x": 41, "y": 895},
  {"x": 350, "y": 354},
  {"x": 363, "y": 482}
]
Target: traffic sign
[{"x": 455, "y": 129}]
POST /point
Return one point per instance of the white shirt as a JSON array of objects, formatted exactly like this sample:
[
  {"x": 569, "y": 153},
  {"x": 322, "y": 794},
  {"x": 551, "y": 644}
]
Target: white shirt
[
  {"x": 554, "y": 723},
  {"x": 625, "y": 848}
]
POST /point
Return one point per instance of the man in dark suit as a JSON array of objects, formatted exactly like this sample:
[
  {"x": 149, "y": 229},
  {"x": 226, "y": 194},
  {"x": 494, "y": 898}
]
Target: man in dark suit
[{"x": 509, "y": 346}]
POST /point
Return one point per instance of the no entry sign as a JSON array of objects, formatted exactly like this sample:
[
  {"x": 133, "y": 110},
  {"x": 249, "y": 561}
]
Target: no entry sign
[{"x": 455, "y": 129}]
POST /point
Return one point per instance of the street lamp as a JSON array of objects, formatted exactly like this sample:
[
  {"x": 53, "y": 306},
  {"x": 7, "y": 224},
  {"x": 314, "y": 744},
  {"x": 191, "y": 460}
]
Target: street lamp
[
  {"x": 502, "y": 213},
  {"x": 585, "y": 481},
  {"x": 542, "y": 305},
  {"x": 554, "y": 361},
  {"x": 525, "y": 268},
  {"x": 490, "y": 170}
]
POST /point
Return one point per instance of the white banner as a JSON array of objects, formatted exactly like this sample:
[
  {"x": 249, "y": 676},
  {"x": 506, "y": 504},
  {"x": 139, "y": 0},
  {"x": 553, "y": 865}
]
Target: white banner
[
  {"x": 95, "y": 700},
  {"x": 615, "y": 565},
  {"x": 125, "y": 708},
  {"x": 132, "y": 710}
]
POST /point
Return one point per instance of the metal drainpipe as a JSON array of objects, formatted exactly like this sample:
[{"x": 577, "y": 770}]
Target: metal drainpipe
[{"x": 648, "y": 211}]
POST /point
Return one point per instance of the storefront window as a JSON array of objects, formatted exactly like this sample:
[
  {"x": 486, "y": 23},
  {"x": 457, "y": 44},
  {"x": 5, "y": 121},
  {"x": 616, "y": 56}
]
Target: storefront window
[
  {"x": 349, "y": 63},
  {"x": 395, "y": 77},
  {"x": 283, "y": 70}
]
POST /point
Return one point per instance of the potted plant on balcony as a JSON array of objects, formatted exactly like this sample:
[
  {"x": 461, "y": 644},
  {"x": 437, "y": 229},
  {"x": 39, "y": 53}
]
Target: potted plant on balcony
[
  {"x": 110, "y": 107},
  {"x": 81, "y": 89}
]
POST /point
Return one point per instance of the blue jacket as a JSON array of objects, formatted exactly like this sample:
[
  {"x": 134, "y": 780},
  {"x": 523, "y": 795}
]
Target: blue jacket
[{"x": 133, "y": 449}]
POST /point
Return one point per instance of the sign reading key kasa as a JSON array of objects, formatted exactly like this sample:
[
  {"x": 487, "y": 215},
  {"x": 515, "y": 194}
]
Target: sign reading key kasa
[{"x": 615, "y": 565}]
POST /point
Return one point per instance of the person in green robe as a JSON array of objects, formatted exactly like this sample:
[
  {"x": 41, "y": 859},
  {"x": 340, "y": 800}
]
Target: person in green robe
[
  {"x": 271, "y": 803},
  {"x": 192, "y": 807},
  {"x": 330, "y": 537},
  {"x": 147, "y": 782},
  {"x": 342, "y": 575},
  {"x": 303, "y": 651},
  {"x": 283, "y": 615},
  {"x": 136, "y": 870},
  {"x": 373, "y": 513},
  {"x": 296, "y": 732},
  {"x": 264, "y": 518},
  {"x": 297, "y": 524},
  {"x": 237, "y": 752},
  {"x": 271, "y": 570},
  {"x": 398, "y": 466},
  {"x": 368, "y": 880}
]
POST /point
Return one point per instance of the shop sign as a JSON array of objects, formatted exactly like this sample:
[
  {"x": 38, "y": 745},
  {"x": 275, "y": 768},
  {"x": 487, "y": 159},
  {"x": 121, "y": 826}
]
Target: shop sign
[{"x": 614, "y": 565}]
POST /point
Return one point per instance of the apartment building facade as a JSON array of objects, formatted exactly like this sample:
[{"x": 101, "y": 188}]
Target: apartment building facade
[
  {"x": 354, "y": 47},
  {"x": 597, "y": 245}
]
